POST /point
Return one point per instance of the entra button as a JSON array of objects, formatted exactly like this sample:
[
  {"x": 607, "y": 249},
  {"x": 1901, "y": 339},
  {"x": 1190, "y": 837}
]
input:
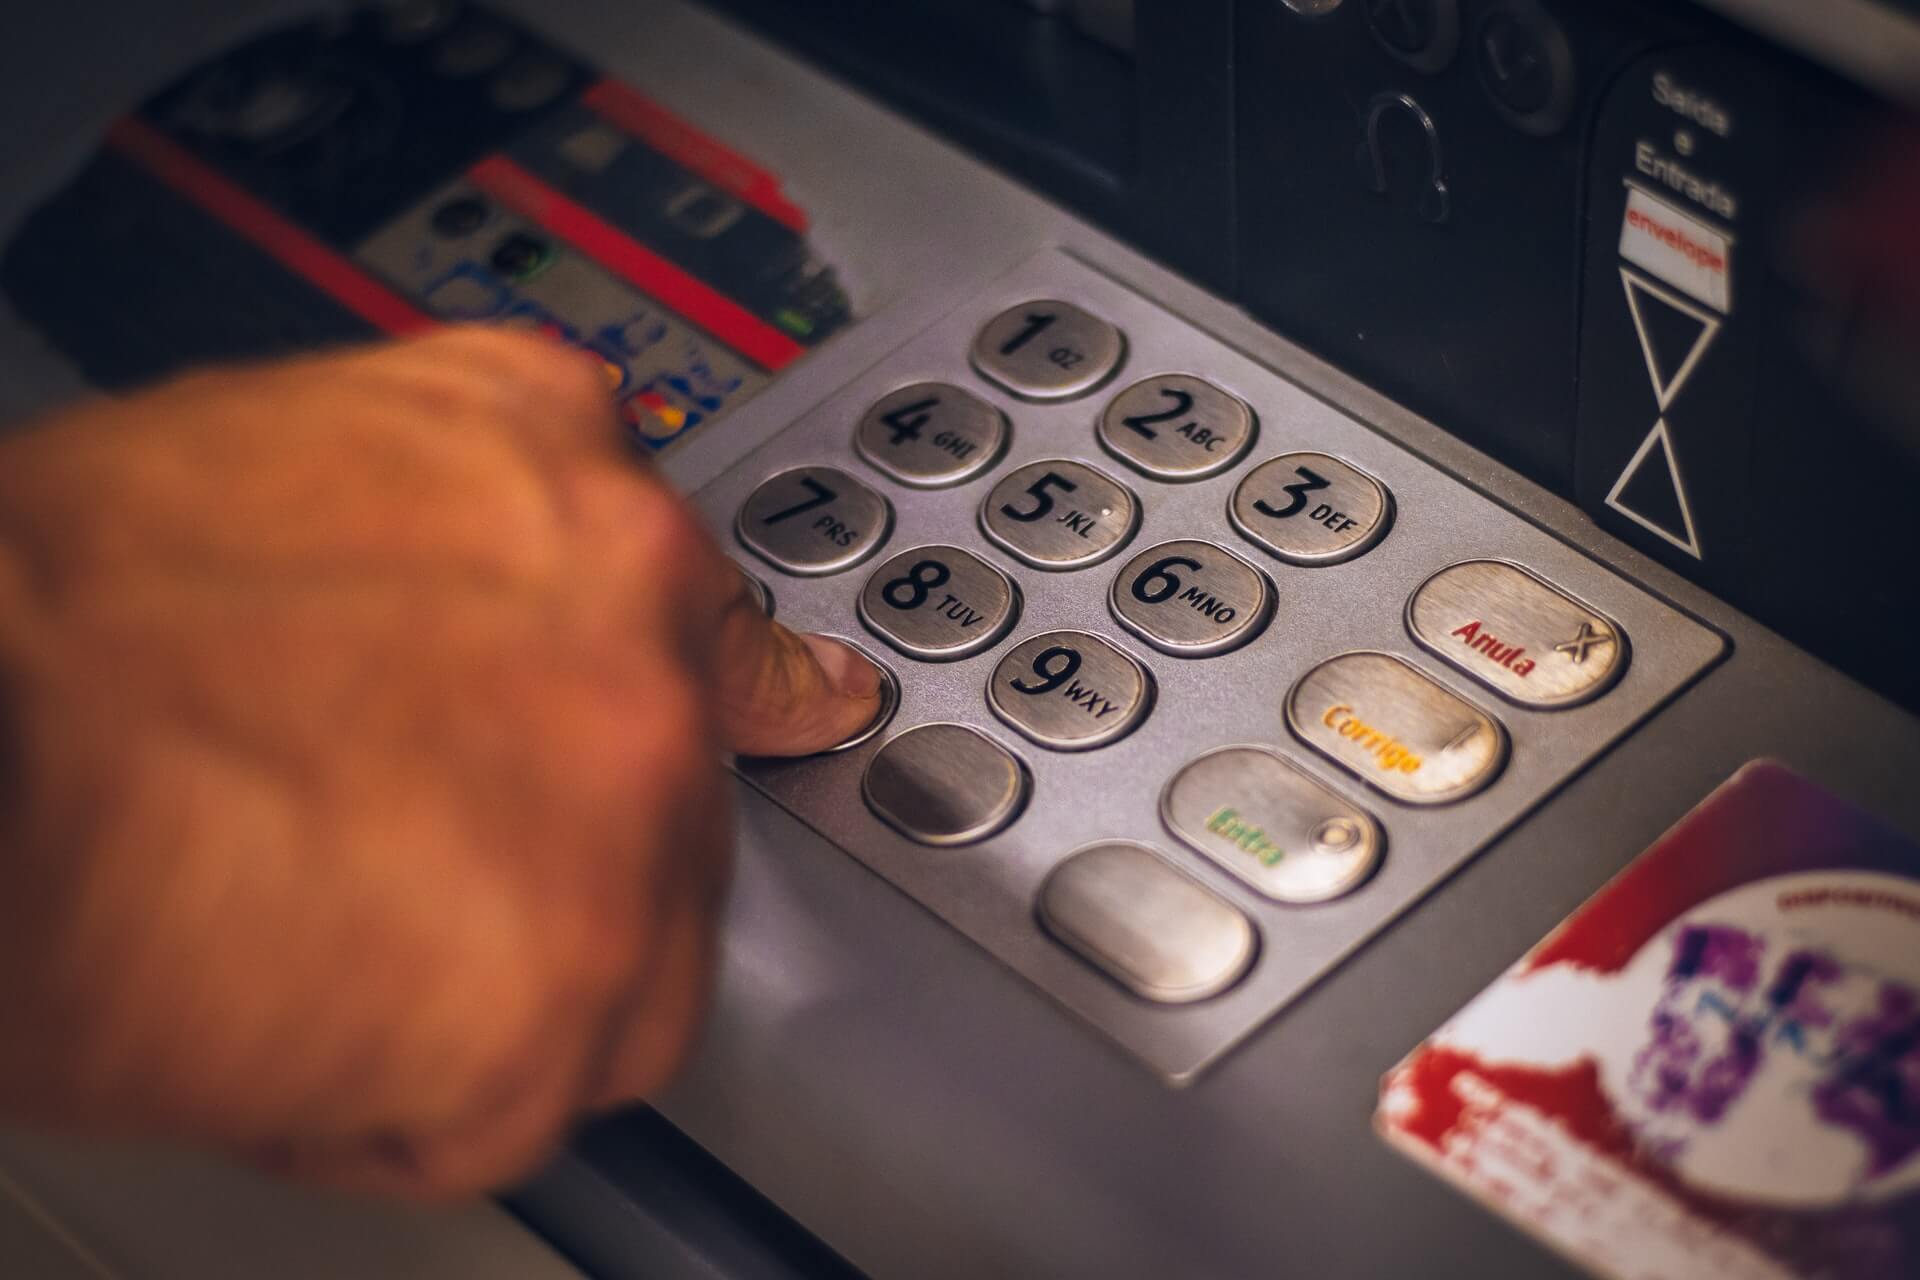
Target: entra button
[{"x": 1526, "y": 640}]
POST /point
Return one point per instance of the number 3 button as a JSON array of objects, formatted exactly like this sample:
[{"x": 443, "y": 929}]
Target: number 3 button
[
  {"x": 1070, "y": 691},
  {"x": 939, "y": 603},
  {"x": 1191, "y": 599},
  {"x": 1309, "y": 509}
]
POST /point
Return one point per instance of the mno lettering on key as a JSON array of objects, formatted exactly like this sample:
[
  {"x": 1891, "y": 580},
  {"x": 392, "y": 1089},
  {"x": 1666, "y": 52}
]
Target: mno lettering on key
[
  {"x": 1207, "y": 603},
  {"x": 1388, "y": 752}
]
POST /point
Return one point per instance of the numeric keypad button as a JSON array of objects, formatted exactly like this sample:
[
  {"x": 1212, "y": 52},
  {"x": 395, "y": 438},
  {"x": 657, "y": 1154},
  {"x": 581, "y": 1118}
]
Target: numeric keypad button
[
  {"x": 939, "y": 603},
  {"x": 813, "y": 521},
  {"x": 931, "y": 434},
  {"x": 1059, "y": 515},
  {"x": 1311, "y": 508},
  {"x": 1191, "y": 599},
  {"x": 1048, "y": 350},
  {"x": 1070, "y": 691},
  {"x": 944, "y": 784},
  {"x": 1174, "y": 426}
]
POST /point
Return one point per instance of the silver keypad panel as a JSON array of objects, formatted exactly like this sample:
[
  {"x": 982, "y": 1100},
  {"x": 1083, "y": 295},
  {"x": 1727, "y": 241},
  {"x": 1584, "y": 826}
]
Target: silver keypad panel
[{"x": 1311, "y": 765}]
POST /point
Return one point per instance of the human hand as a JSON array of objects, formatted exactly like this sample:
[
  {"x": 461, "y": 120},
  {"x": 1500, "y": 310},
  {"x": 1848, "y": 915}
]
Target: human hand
[{"x": 361, "y": 810}]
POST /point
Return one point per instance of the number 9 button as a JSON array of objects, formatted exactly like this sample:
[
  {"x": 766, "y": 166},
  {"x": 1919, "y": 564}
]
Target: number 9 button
[
  {"x": 1191, "y": 599},
  {"x": 1070, "y": 691},
  {"x": 1310, "y": 509},
  {"x": 939, "y": 604},
  {"x": 813, "y": 521},
  {"x": 1059, "y": 515}
]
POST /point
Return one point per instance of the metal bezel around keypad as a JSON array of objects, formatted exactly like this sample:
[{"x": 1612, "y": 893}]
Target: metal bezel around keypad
[{"x": 988, "y": 890}]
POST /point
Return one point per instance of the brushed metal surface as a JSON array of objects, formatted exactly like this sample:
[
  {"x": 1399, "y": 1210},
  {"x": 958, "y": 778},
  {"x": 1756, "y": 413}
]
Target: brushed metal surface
[
  {"x": 944, "y": 784},
  {"x": 939, "y": 603},
  {"x": 1070, "y": 691},
  {"x": 1082, "y": 798},
  {"x": 1210, "y": 429},
  {"x": 939, "y": 434},
  {"x": 1191, "y": 599},
  {"x": 1522, "y": 637},
  {"x": 1045, "y": 349},
  {"x": 1335, "y": 511},
  {"x": 1078, "y": 517},
  {"x": 1396, "y": 729},
  {"x": 1155, "y": 930},
  {"x": 787, "y": 523},
  {"x": 1268, "y": 822}
]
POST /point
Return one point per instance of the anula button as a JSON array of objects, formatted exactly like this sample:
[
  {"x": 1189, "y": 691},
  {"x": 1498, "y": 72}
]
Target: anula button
[
  {"x": 1396, "y": 728},
  {"x": 1528, "y": 641}
]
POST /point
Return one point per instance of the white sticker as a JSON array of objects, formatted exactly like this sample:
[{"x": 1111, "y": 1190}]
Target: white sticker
[{"x": 1679, "y": 248}]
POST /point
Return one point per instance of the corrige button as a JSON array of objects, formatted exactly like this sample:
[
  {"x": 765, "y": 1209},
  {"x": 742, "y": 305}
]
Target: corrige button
[
  {"x": 1191, "y": 599},
  {"x": 1525, "y": 639},
  {"x": 944, "y": 784},
  {"x": 931, "y": 434},
  {"x": 1058, "y": 515},
  {"x": 939, "y": 603},
  {"x": 1272, "y": 825},
  {"x": 1311, "y": 509},
  {"x": 812, "y": 521},
  {"x": 1176, "y": 427},
  {"x": 1152, "y": 928},
  {"x": 1070, "y": 691},
  {"x": 1379, "y": 717},
  {"x": 1048, "y": 350}
]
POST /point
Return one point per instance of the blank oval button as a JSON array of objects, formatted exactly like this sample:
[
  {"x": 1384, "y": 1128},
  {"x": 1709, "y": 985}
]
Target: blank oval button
[
  {"x": 1155, "y": 930},
  {"x": 1396, "y": 728},
  {"x": 944, "y": 784}
]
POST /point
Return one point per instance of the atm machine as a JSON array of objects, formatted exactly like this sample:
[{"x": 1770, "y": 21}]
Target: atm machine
[{"x": 1390, "y": 526}]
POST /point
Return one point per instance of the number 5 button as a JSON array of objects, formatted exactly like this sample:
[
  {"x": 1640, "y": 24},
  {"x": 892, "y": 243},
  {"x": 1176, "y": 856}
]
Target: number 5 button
[
  {"x": 1059, "y": 514},
  {"x": 1191, "y": 599},
  {"x": 1070, "y": 691},
  {"x": 813, "y": 521},
  {"x": 1310, "y": 509},
  {"x": 939, "y": 603}
]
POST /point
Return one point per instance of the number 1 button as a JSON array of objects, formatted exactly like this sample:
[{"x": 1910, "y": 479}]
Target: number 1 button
[
  {"x": 1048, "y": 350},
  {"x": 812, "y": 521}
]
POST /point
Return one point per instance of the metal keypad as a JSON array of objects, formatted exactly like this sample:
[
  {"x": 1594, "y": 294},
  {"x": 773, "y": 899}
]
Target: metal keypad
[
  {"x": 1191, "y": 599},
  {"x": 812, "y": 521},
  {"x": 1070, "y": 691},
  {"x": 938, "y": 603},
  {"x": 944, "y": 784},
  {"x": 929, "y": 434},
  {"x": 1311, "y": 509},
  {"x": 1347, "y": 840},
  {"x": 1056, "y": 514},
  {"x": 1048, "y": 350},
  {"x": 1174, "y": 426}
]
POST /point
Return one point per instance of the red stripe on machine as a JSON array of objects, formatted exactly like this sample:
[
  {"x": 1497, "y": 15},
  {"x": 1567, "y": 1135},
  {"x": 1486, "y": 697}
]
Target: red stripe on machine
[
  {"x": 613, "y": 249},
  {"x": 265, "y": 227},
  {"x": 720, "y": 165}
]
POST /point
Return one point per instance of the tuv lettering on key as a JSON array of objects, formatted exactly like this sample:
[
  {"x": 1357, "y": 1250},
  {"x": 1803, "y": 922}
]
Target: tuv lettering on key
[
  {"x": 1205, "y": 602},
  {"x": 960, "y": 611},
  {"x": 1089, "y": 700}
]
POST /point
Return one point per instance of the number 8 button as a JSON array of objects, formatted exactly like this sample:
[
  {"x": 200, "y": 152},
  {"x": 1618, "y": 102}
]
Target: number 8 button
[
  {"x": 1191, "y": 599},
  {"x": 1309, "y": 509},
  {"x": 938, "y": 603}
]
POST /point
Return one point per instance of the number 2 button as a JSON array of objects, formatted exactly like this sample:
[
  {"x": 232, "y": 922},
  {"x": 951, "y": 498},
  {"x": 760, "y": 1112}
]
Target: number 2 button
[
  {"x": 938, "y": 603},
  {"x": 813, "y": 521},
  {"x": 1191, "y": 599}
]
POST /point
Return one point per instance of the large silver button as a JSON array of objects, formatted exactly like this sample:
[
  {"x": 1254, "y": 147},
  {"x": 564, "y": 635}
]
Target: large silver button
[
  {"x": 1396, "y": 728},
  {"x": 939, "y": 603},
  {"x": 944, "y": 784},
  {"x": 1152, "y": 928},
  {"x": 1272, "y": 825},
  {"x": 1524, "y": 639},
  {"x": 1048, "y": 350},
  {"x": 1191, "y": 599},
  {"x": 931, "y": 434},
  {"x": 1070, "y": 691},
  {"x": 1176, "y": 427},
  {"x": 813, "y": 521},
  {"x": 1059, "y": 515},
  {"x": 1311, "y": 509}
]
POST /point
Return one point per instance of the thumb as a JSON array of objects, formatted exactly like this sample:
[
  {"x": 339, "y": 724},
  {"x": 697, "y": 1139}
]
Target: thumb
[{"x": 781, "y": 694}]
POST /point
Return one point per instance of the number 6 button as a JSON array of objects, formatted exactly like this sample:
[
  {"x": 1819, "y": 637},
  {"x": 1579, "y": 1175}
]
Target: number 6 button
[
  {"x": 1070, "y": 691},
  {"x": 1309, "y": 509},
  {"x": 812, "y": 521},
  {"x": 938, "y": 603},
  {"x": 1191, "y": 599}
]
